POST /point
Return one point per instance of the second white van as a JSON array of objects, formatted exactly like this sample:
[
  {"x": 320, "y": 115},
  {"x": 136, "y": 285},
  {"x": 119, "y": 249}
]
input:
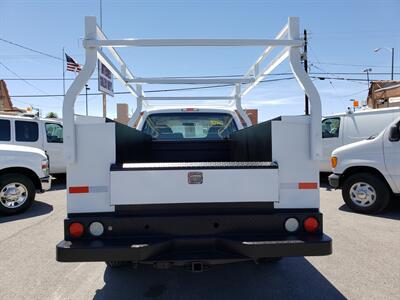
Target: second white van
[{"x": 346, "y": 128}]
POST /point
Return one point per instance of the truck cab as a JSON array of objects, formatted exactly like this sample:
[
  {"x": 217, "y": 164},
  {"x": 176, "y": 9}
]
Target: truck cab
[
  {"x": 189, "y": 123},
  {"x": 368, "y": 172}
]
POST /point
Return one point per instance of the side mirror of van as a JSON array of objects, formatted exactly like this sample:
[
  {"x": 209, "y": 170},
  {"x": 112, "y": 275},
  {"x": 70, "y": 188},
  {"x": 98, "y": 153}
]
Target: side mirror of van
[{"x": 394, "y": 133}]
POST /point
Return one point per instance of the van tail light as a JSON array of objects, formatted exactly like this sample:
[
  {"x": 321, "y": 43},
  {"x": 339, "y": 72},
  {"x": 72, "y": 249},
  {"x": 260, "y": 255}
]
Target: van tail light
[
  {"x": 45, "y": 166},
  {"x": 311, "y": 224},
  {"x": 76, "y": 230}
]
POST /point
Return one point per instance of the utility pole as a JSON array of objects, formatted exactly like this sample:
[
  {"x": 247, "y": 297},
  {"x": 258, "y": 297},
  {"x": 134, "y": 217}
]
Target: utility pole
[
  {"x": 86, "y": 90},
  {"x": 305, "y": 60},
  {"x": 392, "y": 63},
  {"x": 392, "y": 51},
  {"x": 63, "y": 69},
  {"x": 367, "y": 71}
]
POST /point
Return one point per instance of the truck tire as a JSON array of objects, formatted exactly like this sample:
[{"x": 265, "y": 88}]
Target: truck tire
[
  {"x": 17, "y": 193},
  {"x": 365, "y": 193}
]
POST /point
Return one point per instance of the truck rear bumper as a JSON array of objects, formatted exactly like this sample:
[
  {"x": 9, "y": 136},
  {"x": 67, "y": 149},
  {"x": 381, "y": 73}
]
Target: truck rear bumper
[{"x": 183, "y": 250}]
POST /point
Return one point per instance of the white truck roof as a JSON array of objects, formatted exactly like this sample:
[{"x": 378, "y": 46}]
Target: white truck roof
[
  {"x": 28, "y": 118},
  {"x": 366, "y": 111}
]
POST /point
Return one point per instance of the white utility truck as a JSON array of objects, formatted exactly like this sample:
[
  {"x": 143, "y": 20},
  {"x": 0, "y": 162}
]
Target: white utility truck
[
  {"x": 369, "y": 171},
  {"x": 23, "y": 171},
  {"x": 192, "y": 187},
  {"x": 346, "y": 128},
  {"x": 32, "y": 131}
]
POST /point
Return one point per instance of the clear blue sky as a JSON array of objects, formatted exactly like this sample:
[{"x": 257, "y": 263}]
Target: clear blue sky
[{"x": 342, "y": 36}]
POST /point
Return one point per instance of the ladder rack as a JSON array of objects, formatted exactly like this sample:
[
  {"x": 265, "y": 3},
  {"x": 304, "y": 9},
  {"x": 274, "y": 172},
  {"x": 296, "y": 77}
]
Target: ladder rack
[{"x": 288, "y": 39}]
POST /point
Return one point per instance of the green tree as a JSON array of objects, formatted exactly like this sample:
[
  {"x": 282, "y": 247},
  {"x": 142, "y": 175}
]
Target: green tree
[{"x": 52, "y": 115}]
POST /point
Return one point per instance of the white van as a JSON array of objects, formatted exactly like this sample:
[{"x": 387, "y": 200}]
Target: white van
[
  {"x": 346, "y": 128},
  {"x": 45, "y": 134},
  {"x": 368, "y": 172}
]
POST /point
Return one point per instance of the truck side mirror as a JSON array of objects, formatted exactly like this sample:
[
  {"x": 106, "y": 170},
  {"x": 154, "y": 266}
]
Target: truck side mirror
[{"x": 394, "y": 133}]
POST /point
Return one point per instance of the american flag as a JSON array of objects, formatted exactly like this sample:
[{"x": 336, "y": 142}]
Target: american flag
[{"x": 72, "y": 65}]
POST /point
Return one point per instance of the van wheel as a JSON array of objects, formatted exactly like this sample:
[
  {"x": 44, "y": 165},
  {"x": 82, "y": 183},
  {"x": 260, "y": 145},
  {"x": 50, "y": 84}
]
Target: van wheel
[
  {"x": 116, "y": 264},
  {"x": 365, "y": 193},
  {"x": 17, "y": 193}
]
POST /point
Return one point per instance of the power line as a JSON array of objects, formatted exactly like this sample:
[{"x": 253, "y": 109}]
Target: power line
[
  {"x": 27, "y": 82},
  {"x": 150, "y": 91},
  {"x": 273, "y": 74},
  {"x": 193, "y": 88},
  {"x": 354, "y": 65},
  {"x": 30, "y": 49}
]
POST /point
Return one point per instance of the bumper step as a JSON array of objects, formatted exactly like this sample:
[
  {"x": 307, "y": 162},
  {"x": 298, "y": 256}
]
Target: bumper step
[{"x": 185, "y": 250}]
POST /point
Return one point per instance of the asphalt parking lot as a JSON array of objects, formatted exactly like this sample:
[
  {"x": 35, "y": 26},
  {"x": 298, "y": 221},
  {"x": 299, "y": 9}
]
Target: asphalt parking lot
[{"x": 365, "y": 263}]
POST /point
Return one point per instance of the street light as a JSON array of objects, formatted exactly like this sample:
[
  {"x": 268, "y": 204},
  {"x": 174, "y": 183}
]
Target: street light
[
  {"x": 367, "y": 71},
  {"x": 392, "y": 50}
]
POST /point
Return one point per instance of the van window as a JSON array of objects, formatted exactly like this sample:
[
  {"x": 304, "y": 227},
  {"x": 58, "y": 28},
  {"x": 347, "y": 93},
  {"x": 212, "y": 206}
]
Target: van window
[
  {"x": 330, "y": 128},
  {"x": 5, "y": 130},
  {"x": 54, "y": 133},
  {"x": 26, "y": 131}
]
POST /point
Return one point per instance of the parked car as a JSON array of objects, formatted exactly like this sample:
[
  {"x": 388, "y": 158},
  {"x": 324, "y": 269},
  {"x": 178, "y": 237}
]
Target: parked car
[
  {"x": 346, "y": 128},
  {"x": 45, "y": 134},
  {"x": 368, "y": 172},
  {"x": 23, "y": 171}
]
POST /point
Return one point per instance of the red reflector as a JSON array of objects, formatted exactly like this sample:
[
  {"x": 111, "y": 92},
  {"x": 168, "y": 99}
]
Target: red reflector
[
  {"x": 308, "y": 185},
  {"x": 78, "y": 189},
  {"x": 76, "y": 230},
  {"x": 311, "y": 224}
]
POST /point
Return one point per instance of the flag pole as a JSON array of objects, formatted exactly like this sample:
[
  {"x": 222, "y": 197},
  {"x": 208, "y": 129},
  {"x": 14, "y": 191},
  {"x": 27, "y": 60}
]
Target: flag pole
[{"x": 63, "y": 68}]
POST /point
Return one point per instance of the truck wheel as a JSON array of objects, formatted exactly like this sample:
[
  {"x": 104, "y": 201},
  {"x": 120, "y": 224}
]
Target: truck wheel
[
  {"x": 365, "y": 193},
  {"x": 17, "y": 193},
  {"x": 116, "y": 264}
]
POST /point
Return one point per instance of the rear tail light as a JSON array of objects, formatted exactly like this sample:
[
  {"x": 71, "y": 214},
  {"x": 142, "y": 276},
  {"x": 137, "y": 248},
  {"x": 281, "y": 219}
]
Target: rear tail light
[
  {"x": 45, "y": 166},
  {"x": 311, "y": 224},
  {"x": 76, "y": 230},
  {"x": 291, "y": 225},
  {"x": 96, "y": 229}
]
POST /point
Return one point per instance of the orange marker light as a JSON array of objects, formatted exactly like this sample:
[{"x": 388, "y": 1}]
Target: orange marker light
[
  {"x": 333, "y": 161},
  {"x": 78, "y": 189}
]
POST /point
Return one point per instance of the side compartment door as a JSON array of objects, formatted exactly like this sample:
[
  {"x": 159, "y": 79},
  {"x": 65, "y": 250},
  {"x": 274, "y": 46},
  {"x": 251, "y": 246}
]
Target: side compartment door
[
  {"x": 392, "y": 158},
  {"x": 54, "y": 146},
  {"x": 331, "y": 139}
]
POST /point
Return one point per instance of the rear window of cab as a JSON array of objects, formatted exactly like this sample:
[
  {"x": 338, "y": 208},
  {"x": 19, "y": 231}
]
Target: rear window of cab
[{"x": 191, "y": 125}]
